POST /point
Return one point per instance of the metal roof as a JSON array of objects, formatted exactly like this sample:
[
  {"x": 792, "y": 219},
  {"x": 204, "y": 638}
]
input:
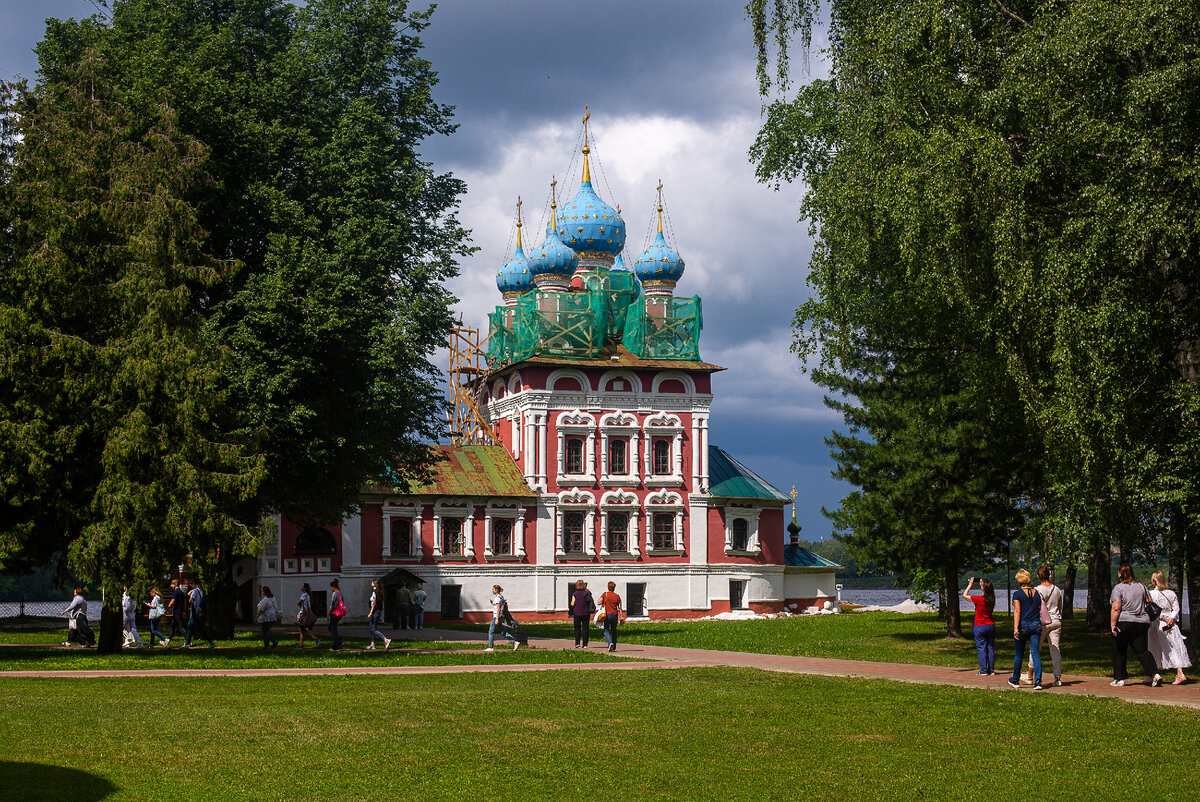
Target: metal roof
[
  {"x": 485, "y": 471},
  {"x": 729, "y": 478},
  {"x": 794, "y": 554}
]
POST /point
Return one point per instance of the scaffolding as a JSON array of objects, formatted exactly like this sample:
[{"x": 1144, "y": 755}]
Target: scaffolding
[{"x": 467, "y": 364}]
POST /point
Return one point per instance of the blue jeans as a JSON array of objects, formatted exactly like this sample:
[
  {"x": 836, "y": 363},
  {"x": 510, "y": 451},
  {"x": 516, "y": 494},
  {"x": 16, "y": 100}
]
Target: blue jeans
[
  {"x": 610, "y": 629},
  {"x": 333, "y": 625},
  {"x": 492, "y": 634},
  {"x": 373, "y": 626},
  {"x": 1033, "y": 638},
  {"x": 268, "y": 637},
  {"x": 985, "y": 647},
  {"x": 419, "y": 616},
  {"x": 154, "y": 633}
]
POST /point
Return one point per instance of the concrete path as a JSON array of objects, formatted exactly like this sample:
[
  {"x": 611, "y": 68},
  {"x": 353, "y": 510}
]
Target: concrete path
[{"x": 669, "y": 657}]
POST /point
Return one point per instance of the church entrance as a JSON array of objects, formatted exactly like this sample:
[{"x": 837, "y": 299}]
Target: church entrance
[
  {"x": 451, "y": 601},
  {"x": 635, "y": 599},
  {"x": 737, "y": 594}
]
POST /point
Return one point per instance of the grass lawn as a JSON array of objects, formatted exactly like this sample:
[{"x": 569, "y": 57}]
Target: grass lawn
[
  {"x": 685, "y": 734},
  {"x": 879, "y": 637},
  {"x": 246, "y": 651}
]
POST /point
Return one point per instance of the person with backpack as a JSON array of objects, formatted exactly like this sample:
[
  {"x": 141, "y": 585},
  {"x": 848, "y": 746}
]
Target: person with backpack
[
  {"x": 612, "y": 614},
  {"x": 337, "y": 611},
  {"x": 196, "y": 609},
  {"x": 267, "y": 615},
  {"x": 583, "y": 607},
  {"x": 129, "y": 620},
  {"x": 157, "y": 611},
  {"x": 500, "y": 615}
]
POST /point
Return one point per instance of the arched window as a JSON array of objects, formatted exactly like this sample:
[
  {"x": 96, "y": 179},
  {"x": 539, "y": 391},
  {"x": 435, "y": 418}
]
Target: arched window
[
  {"x": 618, "y": 451},
  {"x": 664, "y": 530},
  {"x": 662, "y": 458},
  {"x": 452, "y": 536},
  {"x": 741, "y": 535},
  {"x": 573, "y": 532},
  {"x": 316, "y": 540},
  {"x": 618, "y": 532},
  {"x": 502, "y": 536},
  {"x": 402, "y": 537},
  {"x": 574, "y": 461}
]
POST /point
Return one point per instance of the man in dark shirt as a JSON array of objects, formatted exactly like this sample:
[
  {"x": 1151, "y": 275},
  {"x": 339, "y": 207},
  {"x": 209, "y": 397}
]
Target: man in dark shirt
[{"x": 178, "y": 609}]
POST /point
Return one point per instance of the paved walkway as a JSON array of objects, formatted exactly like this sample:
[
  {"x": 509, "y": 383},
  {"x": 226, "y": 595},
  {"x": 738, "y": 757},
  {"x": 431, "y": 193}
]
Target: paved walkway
[{"x": 670, "y": 657}]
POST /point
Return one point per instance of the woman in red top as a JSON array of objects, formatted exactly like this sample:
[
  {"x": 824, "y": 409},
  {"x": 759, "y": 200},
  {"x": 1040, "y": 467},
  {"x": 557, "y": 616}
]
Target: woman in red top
[
  {"x": 985, "y": 627},
  {"x": 612, "y": 611}
]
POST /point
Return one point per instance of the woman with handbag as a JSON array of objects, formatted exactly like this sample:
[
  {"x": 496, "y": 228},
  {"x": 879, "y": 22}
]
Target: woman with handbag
[
  {"x": 266, "y": 616},
  {"x": 1027, "y": 630},
  {"x": 306, "y": 619},
  {"x": 337, "y": 611},
  {"x": 1164, "y": 640},
  {"x": 1130, "y": 626},
  {"x": 1052, "y": 601},
  {"x": 157, "y": 611},
  {"x": 583, "y": 606}
]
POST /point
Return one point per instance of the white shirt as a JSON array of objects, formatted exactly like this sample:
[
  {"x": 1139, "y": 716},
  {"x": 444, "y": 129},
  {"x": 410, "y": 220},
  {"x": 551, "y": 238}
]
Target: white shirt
[
  {"x": 266, "y": 609},
  {"x": 497, "y": 600},
  {"x": 1052, "y": 597}
]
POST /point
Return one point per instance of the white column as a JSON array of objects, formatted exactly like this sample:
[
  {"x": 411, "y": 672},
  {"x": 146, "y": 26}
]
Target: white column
[
  {"x": 646, "y": 455},
  {"x": 728, "y": 531},
  {"x": 635, "y": 529},
  {"x": 437, "y": 535},
  {"x": 387, "y": 536},
  {"x": 529, "y": 431},
  {"x": 704, "y": 453},
  {"x": 545, "y": 485},
  {"x": 603, "y": 533},
  {"x": 632, "y": 456},
  {"x": 591, "y": 453},
  {"x": 589, "y": 532},
  {"x": 488, "y": 546},
  {"x": 519, "y": 534},
  {"x": 695, "y": 486},
  {"x": 677, "y": 453},
  {"x": 558, "y": 533},
  {"x": 518, "y": 433},
  {"x": 416, "y": 533},
  {"x": 649, "y": 521},
  {"x": 603, "y": 454},
  {"x": 561, "y": 456},
  {"x": 680, "y": 541},
  {"x": 469, "y": 534}
]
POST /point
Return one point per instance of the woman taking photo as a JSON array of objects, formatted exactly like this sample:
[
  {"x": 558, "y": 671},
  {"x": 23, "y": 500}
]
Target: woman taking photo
[
  {"x": 985, "y": 626},
  {"x": 1164, "y": 638},
  {"x": 1027, "y": 630}
]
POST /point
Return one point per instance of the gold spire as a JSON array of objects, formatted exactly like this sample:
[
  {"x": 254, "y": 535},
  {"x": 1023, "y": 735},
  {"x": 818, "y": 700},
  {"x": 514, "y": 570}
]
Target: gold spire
[
  {"x": 793, "y": 495},
  {"x": 518, "y": 221},
  {"x": 554, "y": 201},
  {"x": 587, "y": 172},
  {"x": 660, "y": 206}
]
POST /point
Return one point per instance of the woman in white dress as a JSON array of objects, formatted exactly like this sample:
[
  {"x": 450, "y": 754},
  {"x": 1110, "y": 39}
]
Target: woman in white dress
[{"x": 1165, "y": 639}]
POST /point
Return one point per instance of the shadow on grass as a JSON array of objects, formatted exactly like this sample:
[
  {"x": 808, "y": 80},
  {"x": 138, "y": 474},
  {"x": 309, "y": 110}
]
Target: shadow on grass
[{"x": 39, "y": 781}]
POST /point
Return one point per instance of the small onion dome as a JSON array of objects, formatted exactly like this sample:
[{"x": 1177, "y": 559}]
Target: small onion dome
[
  {"x": 619, "y": 263},
  {"x": 553, "y": 260},
  {"x": 660, "y": 265},
  {"x": 515, "y": 276}
]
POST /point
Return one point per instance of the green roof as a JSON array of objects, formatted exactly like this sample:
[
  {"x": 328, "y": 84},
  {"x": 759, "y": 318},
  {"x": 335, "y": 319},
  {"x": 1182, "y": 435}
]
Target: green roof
[
  {"x": 486, "y": 471},
  {"x": 729, "y": 478},
  {"x": 795, "y": 554}
]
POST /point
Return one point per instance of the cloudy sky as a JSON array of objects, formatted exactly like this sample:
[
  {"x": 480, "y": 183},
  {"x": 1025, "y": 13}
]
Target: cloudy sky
[{"x": 672, "y": 95}]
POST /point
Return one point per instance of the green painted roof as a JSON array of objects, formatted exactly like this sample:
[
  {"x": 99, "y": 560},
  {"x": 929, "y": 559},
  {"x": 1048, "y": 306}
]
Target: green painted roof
[
  {"x": 729, "y": 478},
  {"x": 486, "y": 471},
  {"x": 795, "y": 554}
]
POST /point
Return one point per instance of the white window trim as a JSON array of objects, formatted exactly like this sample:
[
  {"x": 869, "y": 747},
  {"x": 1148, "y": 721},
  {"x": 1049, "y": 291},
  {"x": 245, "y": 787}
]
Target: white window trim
[
  {"x": 623, "y": 425},
  {"x": 410, "y": 511},
  {"x": 454, "y": 509},
  {"x": 750, "y": 514},
  {"x": 514, "y": 513},
  {"x": 619, "y": 501},
  {"x": 663, "y": 424},
  {"x": 581, "y": 424},
  {"x": 664, "y": 501},
  {"x": 575, "y": 501}
]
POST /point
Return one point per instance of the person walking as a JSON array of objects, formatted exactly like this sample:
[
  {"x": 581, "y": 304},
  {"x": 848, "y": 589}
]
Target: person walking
[
  {"x": 1027, "y": 629},
  {"x": 306, "y": 617},
  {"x": 499, "y": 614},
  {"x": 985, "y": 626},
  {"x": 267, "y": 615},
  {"x": 1164, "y": 639},
  {"x": 583, "y": 607},
  {"x": 419, "y": 597},
  {"x": 195, "y": 625},
  {"x": 404, "y": 602},
  {"x": 337, "y": 611},
  {"x": 374, "y": 615},
  {"x": 129, "y": 620},
  {"x": 1052, "y": 602},
  {"x": 77, "y": 621},
  {"x": 157, "y": 611},
  {"x": 1130, "y": 626},
  {"x": 612, "y": 613},
  {"x": 178, "y": 609}
]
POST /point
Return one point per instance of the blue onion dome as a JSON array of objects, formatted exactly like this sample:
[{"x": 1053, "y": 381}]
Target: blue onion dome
[
  {"x": 515, "y": 277},
  {"x": 588, "y": 224},
  {"x": 619, "y": 263},
  {"x": 660, "y": 265},
  {"x": 553, "y": 263}
]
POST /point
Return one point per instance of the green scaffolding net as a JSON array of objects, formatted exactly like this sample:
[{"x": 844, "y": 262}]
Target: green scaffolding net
[{"x": 580, "y": 324}]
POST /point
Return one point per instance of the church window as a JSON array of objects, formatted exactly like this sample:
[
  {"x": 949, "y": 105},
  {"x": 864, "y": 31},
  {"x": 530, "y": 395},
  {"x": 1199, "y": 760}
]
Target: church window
[
  {"x": 402, "y": 537},
  {"x": 573, "y": 532},
  {"x": 452, "y": 536},
  {"x": 664, "y": 530},
  {"x": 574, "y": 461},
  {"x": 618, "y": 532},
  {"x": 316, "y": 540},
  {"x": 741, "y": 535},
  {"x": 502, "y": 536},
  {"x": 662, "y": 458},
  {"x": 618, "y": 451}
]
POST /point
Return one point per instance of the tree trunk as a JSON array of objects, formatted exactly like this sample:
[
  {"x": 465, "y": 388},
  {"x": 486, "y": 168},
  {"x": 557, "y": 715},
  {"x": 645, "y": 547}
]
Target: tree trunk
[
  {"x": 1068, "y": 610},
  {"x": 222, "y": 609},
  {"x": 110, "y": 635},
  {"x": 1191, "y": 548},
  {"x": 953, "y": 614},
  {"x": 1099, "y": 586}
]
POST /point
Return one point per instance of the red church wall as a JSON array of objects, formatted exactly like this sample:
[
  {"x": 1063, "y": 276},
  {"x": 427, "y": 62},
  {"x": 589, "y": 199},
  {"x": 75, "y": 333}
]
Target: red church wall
[
  {"x": 770, "y": 535},
  {"x": 371, "y": 526},
  {"x": 289, "y": 531}
]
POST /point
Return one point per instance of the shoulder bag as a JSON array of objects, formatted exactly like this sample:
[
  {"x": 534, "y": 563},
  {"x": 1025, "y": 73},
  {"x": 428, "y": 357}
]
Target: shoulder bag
[{"x": 1152, "y": 608}]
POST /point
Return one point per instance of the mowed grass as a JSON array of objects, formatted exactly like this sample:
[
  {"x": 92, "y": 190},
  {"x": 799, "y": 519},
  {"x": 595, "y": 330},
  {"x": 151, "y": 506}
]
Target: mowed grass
[
  {"x": 877, "y": 637},
  {"x": 20, "y": 650},
  {"x": 715, "y": 733}
]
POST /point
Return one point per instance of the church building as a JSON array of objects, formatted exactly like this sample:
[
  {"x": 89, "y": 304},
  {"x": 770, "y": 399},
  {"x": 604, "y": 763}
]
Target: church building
[{"x": 588, "y": 457}]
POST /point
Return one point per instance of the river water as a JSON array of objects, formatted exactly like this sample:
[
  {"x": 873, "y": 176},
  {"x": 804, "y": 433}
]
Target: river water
[{"x": 888, "y": 597}]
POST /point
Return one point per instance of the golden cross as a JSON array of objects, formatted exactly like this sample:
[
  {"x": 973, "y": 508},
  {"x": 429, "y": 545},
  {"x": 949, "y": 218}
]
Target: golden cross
[
  {"x": 518, "y": 211},
  {"x": 587, "y": 115},
  {"x": 793, "y": 495},
  {"x": 553, "y": 184}
]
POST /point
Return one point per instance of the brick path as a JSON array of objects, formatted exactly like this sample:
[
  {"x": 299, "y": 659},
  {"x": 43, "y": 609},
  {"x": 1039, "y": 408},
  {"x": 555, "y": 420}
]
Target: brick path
[{"x": 669, "y": 657}]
